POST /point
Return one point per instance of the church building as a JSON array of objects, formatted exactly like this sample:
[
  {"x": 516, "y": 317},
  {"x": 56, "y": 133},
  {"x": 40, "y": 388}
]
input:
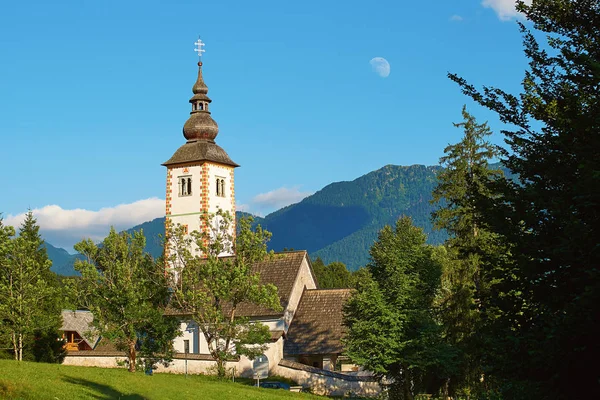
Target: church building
[
  {"x": 200, "y": 179},
  {"x": 305, "y": 336}
]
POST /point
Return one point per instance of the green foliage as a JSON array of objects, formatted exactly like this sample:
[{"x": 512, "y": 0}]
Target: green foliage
[
  {"x": 543, "y": 303},
  {"x": 463, "y": 183},
  {"x": 29, "y": 296},
  {"x": 127, "y": 292},
  {"x": 210, "y": 288},
  {"x": 391, "y": 327}
]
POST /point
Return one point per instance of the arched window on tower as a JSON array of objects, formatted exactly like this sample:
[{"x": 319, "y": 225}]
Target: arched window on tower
[
  {"x": 220, "y": 187},
  {"x": 200, "y": 106},
  {"x": 185, "y": 185}
]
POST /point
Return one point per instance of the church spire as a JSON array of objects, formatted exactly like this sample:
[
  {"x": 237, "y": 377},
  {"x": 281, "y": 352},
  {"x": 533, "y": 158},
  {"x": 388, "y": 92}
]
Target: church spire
[{"x": 200, "y": 125}]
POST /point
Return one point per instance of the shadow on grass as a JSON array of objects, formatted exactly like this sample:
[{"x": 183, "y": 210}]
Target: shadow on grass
[{"x": 103, "y": 392}]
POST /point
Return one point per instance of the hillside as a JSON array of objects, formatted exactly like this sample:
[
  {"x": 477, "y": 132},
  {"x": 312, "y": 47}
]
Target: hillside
[
  {"x": 28, "y": 380},
  {"x": 62, "y": 261},
  {"x": 339, "y": 222}
]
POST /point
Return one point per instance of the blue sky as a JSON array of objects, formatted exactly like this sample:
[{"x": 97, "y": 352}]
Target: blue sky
[{"x": 93, "y": 96}]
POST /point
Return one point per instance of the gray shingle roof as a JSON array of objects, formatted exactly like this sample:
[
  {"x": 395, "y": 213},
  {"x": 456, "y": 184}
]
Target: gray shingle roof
[
  {"x": 200, "y": 150},
  {"x": 80, "y": 322},
  {"x": 317, "y": 327},
  {"x": 281, "y": 270}
]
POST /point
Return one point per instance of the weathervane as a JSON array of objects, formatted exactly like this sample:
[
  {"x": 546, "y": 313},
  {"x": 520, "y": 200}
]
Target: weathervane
[{"x": 199, "y": 44}]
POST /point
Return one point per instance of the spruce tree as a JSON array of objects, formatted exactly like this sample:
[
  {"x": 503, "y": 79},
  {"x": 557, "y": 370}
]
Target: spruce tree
[
  {"x": 546, "y": 294},
  {"x": 463, "y": 184}
]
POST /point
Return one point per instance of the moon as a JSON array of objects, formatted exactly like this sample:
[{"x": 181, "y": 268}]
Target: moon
[{"x": 380, "y": 66}]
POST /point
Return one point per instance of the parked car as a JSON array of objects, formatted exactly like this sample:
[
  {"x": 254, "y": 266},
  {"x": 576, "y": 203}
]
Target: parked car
[{"x": 274, "y": 385}]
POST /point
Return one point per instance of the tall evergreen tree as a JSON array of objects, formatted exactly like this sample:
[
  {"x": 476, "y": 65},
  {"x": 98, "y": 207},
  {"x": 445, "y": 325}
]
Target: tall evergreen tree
[
  {"x": 28, "y": 288},
  {"x": 547, "y": 293},
  {"x": 463, "y": 183}
]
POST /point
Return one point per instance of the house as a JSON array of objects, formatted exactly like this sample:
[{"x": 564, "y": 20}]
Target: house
[{"x": 77, "y": 331}]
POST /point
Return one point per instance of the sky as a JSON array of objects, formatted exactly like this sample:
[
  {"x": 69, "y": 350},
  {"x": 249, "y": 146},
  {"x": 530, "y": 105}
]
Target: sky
[{"x": 94, "y": 95}]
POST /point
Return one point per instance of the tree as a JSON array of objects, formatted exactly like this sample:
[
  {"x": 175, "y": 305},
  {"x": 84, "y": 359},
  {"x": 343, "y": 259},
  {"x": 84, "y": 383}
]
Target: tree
[
  {"x": 391, "y": 325},
  {"x": 462, "y": 184},
  {"x": 210, "y": 288},
  {"x": 28, "y": 288},
  {"x": 332, "y": 276},
  {"x": 127, "y": 292},
  {"x": 546, "y": 295}
]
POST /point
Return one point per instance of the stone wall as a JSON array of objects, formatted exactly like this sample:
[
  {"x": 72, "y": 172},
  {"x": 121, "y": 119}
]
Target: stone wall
[{"x": 327, "y": 383}]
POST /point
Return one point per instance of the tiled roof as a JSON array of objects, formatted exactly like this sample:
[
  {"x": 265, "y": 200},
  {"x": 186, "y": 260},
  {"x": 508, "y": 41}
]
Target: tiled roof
[
  {"x": 80, "y": 322},
  {"x": 317, "y": 327},
  {"x": 201, "y": 150},
  {"x": 281, "y": 270}
]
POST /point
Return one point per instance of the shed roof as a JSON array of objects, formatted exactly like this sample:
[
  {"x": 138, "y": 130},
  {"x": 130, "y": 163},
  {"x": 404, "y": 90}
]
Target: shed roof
[
  {"x": 81, "y": 322},
  {"x": 317, "y": 327}
]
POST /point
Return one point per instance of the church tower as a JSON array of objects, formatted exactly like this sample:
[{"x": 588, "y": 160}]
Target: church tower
[{"x": 200, "y": 173}]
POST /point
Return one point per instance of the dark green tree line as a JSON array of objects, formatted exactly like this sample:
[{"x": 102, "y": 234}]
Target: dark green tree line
[{"x": 544, "y": 302}]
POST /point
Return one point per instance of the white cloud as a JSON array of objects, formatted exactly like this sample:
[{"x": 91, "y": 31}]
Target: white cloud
[
  {"x": 456, "y": 18},
  {"x": 504, "y": 8},
  {"x": 64, "y": 228},
  {"x": 380, "y": 66},
  {"x": 275, "y": 199}
]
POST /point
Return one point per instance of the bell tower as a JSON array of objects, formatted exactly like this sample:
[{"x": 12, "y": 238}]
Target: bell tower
[{"x": 200, "y": 173}]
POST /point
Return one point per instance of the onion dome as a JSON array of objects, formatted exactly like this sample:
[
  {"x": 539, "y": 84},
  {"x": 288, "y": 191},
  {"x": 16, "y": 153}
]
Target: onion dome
[{"x": 200, "y": 125}]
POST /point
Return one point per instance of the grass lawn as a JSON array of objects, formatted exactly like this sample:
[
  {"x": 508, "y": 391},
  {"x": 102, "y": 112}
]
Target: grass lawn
[{"x": 26, "y": 380}]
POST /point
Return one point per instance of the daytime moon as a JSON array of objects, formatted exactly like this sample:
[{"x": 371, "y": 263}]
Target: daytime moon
[{"x": 380, "y": 66}]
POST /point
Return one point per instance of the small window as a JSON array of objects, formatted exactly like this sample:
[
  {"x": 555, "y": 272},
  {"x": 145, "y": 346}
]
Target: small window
[
  {"x": 200, "y": 106},
  {"x": 185, "y": 185},
  {"x": 220, "y": 187}
]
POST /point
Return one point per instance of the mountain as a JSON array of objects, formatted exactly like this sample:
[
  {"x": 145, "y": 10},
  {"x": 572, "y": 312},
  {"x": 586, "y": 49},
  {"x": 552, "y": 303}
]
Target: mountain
[
  {"x": 62, "y": 261},
  {"x": 340, "y": 222}
]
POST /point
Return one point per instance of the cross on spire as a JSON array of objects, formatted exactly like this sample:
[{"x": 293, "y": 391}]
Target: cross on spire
[{"x": 199, "y": 44}]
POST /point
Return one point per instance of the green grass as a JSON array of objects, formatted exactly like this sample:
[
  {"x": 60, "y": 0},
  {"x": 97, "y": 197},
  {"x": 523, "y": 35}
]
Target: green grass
[{"x": 26, "y": 380}]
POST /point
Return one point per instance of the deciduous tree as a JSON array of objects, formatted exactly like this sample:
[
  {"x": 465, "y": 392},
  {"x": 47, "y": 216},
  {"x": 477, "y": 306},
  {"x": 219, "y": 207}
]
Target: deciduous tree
[
  {"x": 391, "y": 326},
  {"x": 28, "y": 289},
  {"x": 127, "y": 292},
  {"x": 209, "y": 287}
]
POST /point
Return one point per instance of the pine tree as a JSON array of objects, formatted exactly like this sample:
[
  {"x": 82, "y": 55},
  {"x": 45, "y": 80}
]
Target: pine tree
[
  {"x": 463, "y": 184},
  {"x": 546, "y": 295}
]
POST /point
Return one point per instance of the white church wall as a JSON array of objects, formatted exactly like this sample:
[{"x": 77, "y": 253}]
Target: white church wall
[
  {"x": 186, "y": 204},
  {"x": 226, "y": 203},
  {"x": 303, "y": 280},
  {"x": 189, "y": 331}
]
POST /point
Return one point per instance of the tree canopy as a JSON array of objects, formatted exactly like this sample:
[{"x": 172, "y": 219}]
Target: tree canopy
[{"x": 210, "y": 287}]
